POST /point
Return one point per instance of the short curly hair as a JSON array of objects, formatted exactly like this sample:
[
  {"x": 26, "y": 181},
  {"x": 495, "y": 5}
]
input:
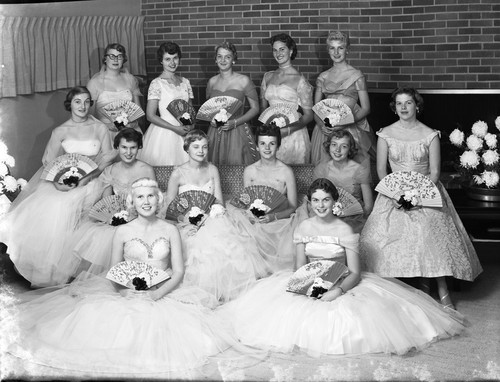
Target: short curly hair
[
  {"x": 228, "y": 46},
  {"x": 130, "y": 135},
  {"x": 270, "y": 130},
  {"x": 338, "y": 134},
  {"x": 325, "y": 185},
  {"x": 74, "y": 92},
  {"x": 192, "y": 136},
  {"x": 413, "y": 93},
  {"x": 170, "y": 48},
  {"x": 288, "y": 41}
]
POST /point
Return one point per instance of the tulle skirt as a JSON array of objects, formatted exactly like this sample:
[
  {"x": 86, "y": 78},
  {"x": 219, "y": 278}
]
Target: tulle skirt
[
  {"x": 423, "y": 242},
  {"x": 377, "y": 316},
  {"x": 88, "y": 326},
  {"x": 221, "y": 259},
  {"x": 37, "y": 229},
  {"x": 235, "y": 146},
  {"x": 162, "y": 147},
  {"x": 295, "y": 148}
]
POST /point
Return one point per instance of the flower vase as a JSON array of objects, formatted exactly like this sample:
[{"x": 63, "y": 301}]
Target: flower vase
[{"x": 482, "y": 194}]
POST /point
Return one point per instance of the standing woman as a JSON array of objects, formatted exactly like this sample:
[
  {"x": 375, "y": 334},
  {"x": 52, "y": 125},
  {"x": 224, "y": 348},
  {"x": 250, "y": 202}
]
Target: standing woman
[
  {"x": 287, "y": 85},
  {"x": 347, "y": 84},
  {"x": 113, "y": 83},
  {"x": 163, "y": 141},
  {"x": 420, "y": 242},
  {"x": 232, "y": 143},
  {"x": 45, "y": 214}
]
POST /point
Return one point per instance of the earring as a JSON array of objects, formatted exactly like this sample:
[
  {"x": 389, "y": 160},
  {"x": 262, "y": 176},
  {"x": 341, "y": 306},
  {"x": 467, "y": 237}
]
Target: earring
[
  {"x": 417, "y": 109},
  {"x": 234, "y": 62}
]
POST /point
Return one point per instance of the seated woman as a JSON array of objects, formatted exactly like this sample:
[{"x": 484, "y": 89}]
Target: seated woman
[
  {"x": 343, "y": 171},
  {"x": 45, "y": 214},
  {"x": 361, "y": 313},
  {"x": 272, "y": 231},
  {"x": 219, "y": 258},
  {"x": 96, "y": 326},
  {"x": 91, "y": 243}
]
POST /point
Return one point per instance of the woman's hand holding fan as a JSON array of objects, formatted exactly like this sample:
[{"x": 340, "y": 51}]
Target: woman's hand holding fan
[
  {"x": 182, "y": 111},
  {"x": 280, "y": 114},
  {"x": 67, "y": 170},
  {"x": 334, "y": 114},
  {"x": 218, "y": 110},
  {"x": 122, "y": 112}
]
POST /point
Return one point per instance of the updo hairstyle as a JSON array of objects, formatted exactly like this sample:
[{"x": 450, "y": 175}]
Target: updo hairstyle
[
  {"x": 325, "y": 185},
  {"x": 339, "y": 36},
  {"x": 228, "y": 46},
  {"x": 270, "y": 130}
]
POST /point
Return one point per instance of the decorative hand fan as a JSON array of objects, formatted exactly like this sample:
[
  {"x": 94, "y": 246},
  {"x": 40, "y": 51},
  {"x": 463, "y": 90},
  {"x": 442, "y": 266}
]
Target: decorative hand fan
[
  {"x": 333, "y": 112},
  {"x": 182, "y": 110},
  {"x": 68, "y": 165},
  {"x": 109, "y": 207},
  {"x": 270, "y": 196},
  {"x": 395, "y": 184},
  {"x": 282, "y": 114},
  {"x": 214, "y": 105},
  {"x": 350, "y": 205},
  {"x": 122, "y": 112},
  {"x": 303, "y": 278},
  {"x": 187, "y": 200},
  {"x": 136, "y": 275}
]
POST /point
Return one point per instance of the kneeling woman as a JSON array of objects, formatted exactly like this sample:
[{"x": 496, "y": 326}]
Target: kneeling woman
[
  {"x": 93, "y": 326},
  {"x": 363, "y": 313}
]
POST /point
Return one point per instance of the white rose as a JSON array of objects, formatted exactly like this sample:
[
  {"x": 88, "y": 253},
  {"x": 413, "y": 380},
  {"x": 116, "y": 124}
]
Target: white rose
[
  {"x": 497, "y": 122},
  {"x": 217, "y": 210},
  {"x": 457, "y": 137},
  {"x": 469, "y": 159},
  {"x": 10, "y": 183},
  {"x": 474, "y": 143},
  {"x": 490, "y": 178},
  {"x": 195, "y": 211},
  {"x": 491, "y": 140},
  {"x": 279, "y": 122},
  {"x": 22, "y": 183},
  {"x": 479, "y": 129},
  {"x": 221, "y": 116},
  {"x": 490, "y": 157}
]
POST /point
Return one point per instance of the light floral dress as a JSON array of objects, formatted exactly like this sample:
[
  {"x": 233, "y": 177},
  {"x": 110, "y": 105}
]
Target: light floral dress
[{"x": 422, "y": 242}]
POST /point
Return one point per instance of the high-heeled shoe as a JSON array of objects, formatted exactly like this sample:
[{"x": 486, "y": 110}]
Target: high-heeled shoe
[{"x": 446, "y": 301}]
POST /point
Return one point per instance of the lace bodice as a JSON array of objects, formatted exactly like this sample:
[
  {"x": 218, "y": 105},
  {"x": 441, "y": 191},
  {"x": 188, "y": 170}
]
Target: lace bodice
[
  {"x": 157, "y": 253},
  {"x": 165, "y": 92},
  {"x": 89, "y": 147},
  {"x": 409, "y": 155}
]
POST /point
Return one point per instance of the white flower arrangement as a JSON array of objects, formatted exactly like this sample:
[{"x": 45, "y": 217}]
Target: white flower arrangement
[
  {"x": 279, "y": 122},
  {"x": 121, "y": 119},
  {"x": 72, "y": 176},
  {"x": 480, "y": 160},
  {"x": 221, "y": 117},
  {"x": 332, "y": 119},
  {"x": 258, "y": 208},
  {"x": 337, "y": 209},
  {"x": 9, "y": 186},
  {"x": 217, "y": 210},
  {"x": 195, "y": 215},
  {"x": 120, "y": 217}
]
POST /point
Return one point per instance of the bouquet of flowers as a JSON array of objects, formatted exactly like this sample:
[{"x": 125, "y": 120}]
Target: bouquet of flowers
[
  {"x": 68, "y": 169},
  {"x": 409, "y": 199},
  {"x": 193, "y": 204},
  {"x": 196, "y": 215},
  {"x": 280, "y": 114},
  {"x": 218, "y": 109},
  {"x": 111, "y": 210},
  {"x": 221, "y": 117},
  {"x": 70, "y": 177},
  {"x": 119, "y": 218},
  {"x": 122, "y": 112},
  {"x": 258, "y": 208},
  {"x": 9, "y": 186},
  {"x": 337, "y": 209},
  {"x": 137, "y": 275},
  {"x": 182, "y": 110},
  {"x": 333, "y": 112},
  {"x": 480, "y": 160}
]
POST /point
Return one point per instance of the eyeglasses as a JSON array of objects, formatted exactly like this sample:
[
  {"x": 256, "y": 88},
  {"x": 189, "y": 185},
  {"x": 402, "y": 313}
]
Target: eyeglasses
[{"x": 114, "y": 57}]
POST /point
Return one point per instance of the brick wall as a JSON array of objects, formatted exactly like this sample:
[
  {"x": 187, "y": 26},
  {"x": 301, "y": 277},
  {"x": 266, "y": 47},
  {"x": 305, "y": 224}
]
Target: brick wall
[{"x": 443, "y": 44}]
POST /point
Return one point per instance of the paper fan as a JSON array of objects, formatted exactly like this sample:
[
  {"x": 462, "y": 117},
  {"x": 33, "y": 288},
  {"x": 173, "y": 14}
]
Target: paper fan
[
  {"x": 270, "y": 196},
  {"x": 303, "y": 278},
  {"x": 350, "y": 205},
  {"x": 282, "y": 114},
  {"x": 183, "y": 202},
  {"x": 395, "y": 184},
  {"x": 144, "y": 274},
  {"x": 68, "y": 165},
  {"x": 214, "y": 105},
  {"x": 337, "y": 112},
  {"x": 113, "y": 109},
  {"x": 179, "y": 107},
  {"x": 108, "y": 206}
]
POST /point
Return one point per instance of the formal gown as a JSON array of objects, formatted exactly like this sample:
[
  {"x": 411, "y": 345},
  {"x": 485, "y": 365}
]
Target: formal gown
[
  {"x": 42, "y": 219},
  {"x": 220, "y": 258},
  {"x": 345, "y": 90},
  {"x": 376, "y": 316},
  {"x": 163, "y": 147},
  {"x": 235, "y": 146},
  {"x": 88, "y": 326},
  {"x": 350, "y": 178},
  {"x": 295, "y": 148},
  {"x": 102, "y": 97},
  {"x": 422, "y": 242},
  {"x": 91, "y": 244}
]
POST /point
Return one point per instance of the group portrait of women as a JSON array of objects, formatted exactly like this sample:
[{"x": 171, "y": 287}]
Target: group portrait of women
[{"x": 228, "y": 274}]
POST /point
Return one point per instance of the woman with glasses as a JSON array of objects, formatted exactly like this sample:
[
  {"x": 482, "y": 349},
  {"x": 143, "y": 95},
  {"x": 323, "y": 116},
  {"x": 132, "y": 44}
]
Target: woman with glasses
[{"x": 113, "y": 83}]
